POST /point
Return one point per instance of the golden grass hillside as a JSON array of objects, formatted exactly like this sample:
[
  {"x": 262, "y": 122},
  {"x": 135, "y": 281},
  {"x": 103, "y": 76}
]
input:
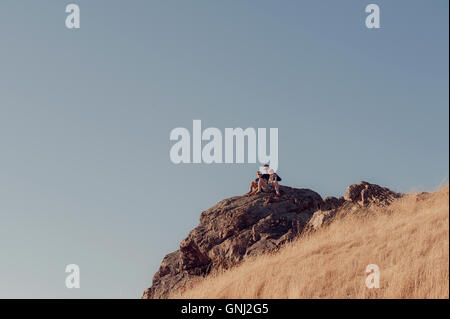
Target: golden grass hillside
[{"x": 409, "y": 241}]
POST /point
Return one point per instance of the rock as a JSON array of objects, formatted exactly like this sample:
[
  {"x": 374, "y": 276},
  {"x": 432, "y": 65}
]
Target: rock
[
  {"x": 320, "y": 218},
  {"x": 243, "y": 226},
  {"x": 422, "y": 196},
  {"x": 332, "y": 203},
  {"x": 233, "y": 230},
  {"x": 366, "y": 194}
]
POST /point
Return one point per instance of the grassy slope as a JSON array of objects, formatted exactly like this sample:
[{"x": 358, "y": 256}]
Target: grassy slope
[{"x": 409, "y": 242}]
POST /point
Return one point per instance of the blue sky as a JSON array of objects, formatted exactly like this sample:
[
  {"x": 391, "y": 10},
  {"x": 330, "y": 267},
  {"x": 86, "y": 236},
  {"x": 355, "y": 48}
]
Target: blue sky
[{"x": 85, "y": 117}]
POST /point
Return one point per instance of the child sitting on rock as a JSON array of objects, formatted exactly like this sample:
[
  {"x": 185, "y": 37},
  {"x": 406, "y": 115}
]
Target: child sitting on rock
[{"x": 254, "y": 184}]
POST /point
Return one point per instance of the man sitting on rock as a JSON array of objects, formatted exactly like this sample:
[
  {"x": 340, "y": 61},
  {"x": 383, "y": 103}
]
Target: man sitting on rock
[{"x": 269, "y": 184}]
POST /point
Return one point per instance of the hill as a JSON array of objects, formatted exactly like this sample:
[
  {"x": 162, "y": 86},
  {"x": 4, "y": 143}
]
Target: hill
[{"x": 303, "y": 246}]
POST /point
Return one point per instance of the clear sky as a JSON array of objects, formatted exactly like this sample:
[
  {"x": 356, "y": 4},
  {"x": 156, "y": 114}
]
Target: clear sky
[{"x": 85, "y": 117}]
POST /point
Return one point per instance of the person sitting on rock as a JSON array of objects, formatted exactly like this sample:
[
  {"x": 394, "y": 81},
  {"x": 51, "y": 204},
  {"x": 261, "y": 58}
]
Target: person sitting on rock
[
  {"x": 270, "y": 183},
  {"x": 254, "y": 184},
  {"x": 265, "y": 173},
  {"x": 259, "y": 175}
]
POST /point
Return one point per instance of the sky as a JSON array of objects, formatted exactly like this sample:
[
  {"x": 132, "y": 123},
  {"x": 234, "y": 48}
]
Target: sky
[{"x": 85, "y": 118}]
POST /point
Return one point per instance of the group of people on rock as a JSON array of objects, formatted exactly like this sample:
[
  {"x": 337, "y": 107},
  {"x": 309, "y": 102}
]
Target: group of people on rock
[{"x": 266, "y": 181}]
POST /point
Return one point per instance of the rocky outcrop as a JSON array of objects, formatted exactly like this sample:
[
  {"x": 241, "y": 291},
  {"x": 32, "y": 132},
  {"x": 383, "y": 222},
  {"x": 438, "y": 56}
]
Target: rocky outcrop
[
  {"x": 366, "y": 194},
  {"x": 357, "y": 196},
  {"x": 244, "y": 226}
]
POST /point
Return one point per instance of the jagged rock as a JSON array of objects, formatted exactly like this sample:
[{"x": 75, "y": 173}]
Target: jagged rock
[
  {"x": 356, "y": 195},
  {"x": 232, "y": 230},
  {"x": 366, "y": 194},
  {"x": 332, "y": 203},
  {"x": 320, "y": 218},
  {"x": 244, "y": 226},
  {"x": 422, "y": 196}
]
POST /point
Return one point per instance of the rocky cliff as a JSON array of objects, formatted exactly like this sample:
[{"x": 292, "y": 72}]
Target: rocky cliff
[{"x": 244, "y": 226}]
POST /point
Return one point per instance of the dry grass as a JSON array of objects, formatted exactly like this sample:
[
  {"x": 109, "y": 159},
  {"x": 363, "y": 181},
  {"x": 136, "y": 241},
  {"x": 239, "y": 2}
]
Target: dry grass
[{"x": 409, "y": 242}]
